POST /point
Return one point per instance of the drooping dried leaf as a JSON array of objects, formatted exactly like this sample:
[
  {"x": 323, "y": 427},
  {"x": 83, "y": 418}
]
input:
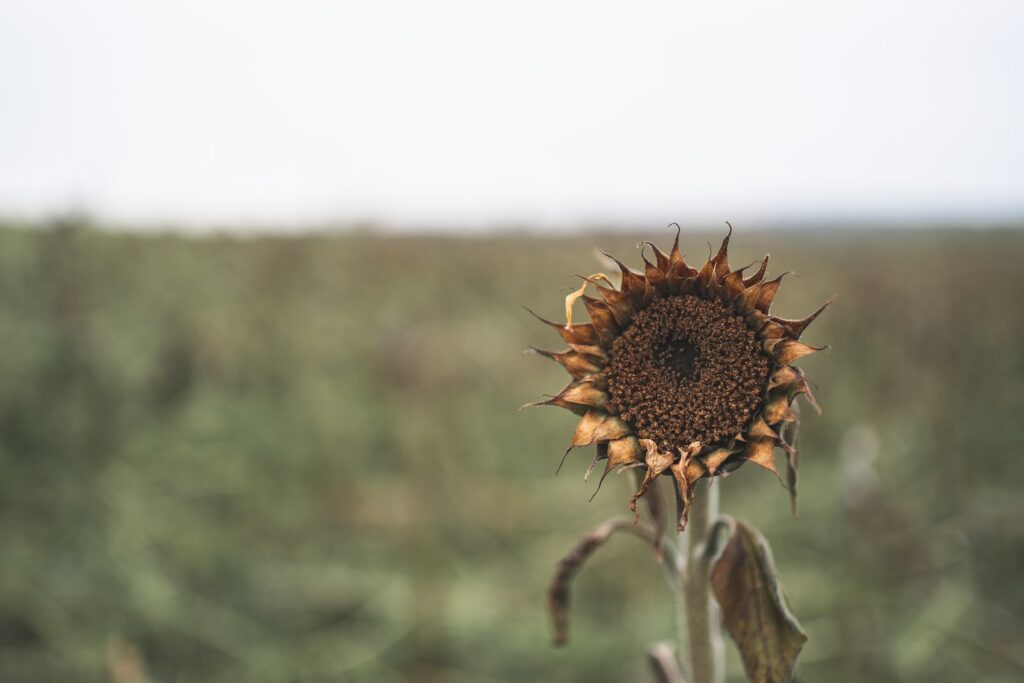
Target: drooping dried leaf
[
  {"x": 558, "y": 591},
  {"x": 754, "y": 608}
]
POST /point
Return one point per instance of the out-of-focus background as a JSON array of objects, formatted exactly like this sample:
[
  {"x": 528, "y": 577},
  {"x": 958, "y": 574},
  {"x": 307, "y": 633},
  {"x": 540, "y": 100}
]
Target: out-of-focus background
[{"x": 261, "y": 277}]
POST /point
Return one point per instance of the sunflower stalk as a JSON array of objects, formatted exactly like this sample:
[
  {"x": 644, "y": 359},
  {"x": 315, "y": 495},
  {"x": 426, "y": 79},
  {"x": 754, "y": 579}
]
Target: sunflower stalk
[{"x": 703, "y": 650}]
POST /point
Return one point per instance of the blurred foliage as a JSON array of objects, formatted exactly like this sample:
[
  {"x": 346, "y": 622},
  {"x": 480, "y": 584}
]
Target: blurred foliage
[{"x": 299, "y": 459}]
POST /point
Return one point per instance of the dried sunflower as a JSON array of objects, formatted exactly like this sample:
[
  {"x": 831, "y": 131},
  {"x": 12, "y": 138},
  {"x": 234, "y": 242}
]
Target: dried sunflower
[{"x": 683, "y": 371}]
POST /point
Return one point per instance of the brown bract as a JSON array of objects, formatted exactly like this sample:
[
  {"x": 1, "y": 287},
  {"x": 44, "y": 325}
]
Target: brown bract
[{"x": 683, "y": 371}]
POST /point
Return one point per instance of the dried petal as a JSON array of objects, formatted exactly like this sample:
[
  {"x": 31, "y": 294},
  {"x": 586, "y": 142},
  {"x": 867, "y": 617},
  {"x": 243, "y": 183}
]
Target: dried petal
[
  {"x": 558, "y": 403},
  {"x": 624, "y": 451},
  {"x": 721, "y": 259},
  {"x": 759, "y": 275},
  {"x": 573, "y": 296},
  {"x": 586, "y": 429},
  {"x": 602, "y": 319},
  {"x": 789, "y": 435},
  {"x": 620, "y": 303},
  {"x": 762, "y": 452},
  {"x": 715, "y": 458},
  {"x": 656, "y": 464},
  {"x": 577, "y": 365},
  {"x": 794, "y": 328},
  {"x": 777, "y": 410},
  {"x": 768, "y": 291},
  {"x": 611, "y": 429},
  {"x": 656, "y": 272},
  {"x": 582, "y": 333},
  {"x": 583, "y": 392},
  {"x": 633, "y": 285},
  {"x": 790, "y": 350}
]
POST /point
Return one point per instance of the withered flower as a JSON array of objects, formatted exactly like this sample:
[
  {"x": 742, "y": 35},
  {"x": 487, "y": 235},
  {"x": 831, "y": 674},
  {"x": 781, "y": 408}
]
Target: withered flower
[{"x": 683, "y": 371}]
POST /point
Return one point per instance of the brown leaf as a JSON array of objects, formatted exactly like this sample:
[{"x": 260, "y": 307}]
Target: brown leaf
[
  {"x": 754, "y": 608},
  {"x": 558, "y": 591}
]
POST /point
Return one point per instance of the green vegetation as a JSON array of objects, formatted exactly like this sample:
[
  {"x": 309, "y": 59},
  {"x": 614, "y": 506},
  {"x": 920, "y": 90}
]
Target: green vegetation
[{"x": 300, "y": 460}]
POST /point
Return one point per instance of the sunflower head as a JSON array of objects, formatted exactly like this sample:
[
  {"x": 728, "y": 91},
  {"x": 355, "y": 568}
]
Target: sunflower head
[{"x": 683, "y": 371}]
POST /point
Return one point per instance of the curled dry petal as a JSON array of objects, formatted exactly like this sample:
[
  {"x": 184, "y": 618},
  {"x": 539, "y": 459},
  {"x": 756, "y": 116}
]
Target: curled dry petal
[
  {"x": 746, "y": 302},
  {"x": 573, "y": 296},
  {"x": 657, "y": 463},
  {"x": 768, "y": 290},
  {"x": 762, "y": 452},
  {"x": 586, "y": 429},
  {"x": 580, "y": 333},
  {"x": 655, "y": 273},
  {"x": 790, "y": 350},
  {"x": 715, "y": 458},
  {"x": 794, "y": 328},
  {"x": 624, "y": 451},
  {"x": 721, "y": 259},
  {"x": 759, "y": 275},
  {"x": 558, "y": 403},
  {"x": 685, "y": 472},
  {"x": 777, "y": 410},
  {"x": 603, "y": 320},
  {"x": 576, "y": 364},
  {"x": 585, "y": 393},
  {"x": 789, "y": 435}
]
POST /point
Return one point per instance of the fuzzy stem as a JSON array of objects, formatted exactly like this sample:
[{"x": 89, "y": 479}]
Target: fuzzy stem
[{"x": 706, "y": 651}]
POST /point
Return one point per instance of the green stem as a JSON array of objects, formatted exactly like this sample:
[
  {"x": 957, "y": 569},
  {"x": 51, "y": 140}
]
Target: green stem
[{"x": 704, "y": 649}]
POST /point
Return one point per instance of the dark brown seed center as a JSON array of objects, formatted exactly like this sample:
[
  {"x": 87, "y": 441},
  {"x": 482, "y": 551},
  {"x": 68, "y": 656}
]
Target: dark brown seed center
[{"x": 687, "y": 369}]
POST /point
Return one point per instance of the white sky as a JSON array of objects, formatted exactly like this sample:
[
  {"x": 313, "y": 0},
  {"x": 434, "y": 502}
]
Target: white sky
[{"x": 551, "y": 113}]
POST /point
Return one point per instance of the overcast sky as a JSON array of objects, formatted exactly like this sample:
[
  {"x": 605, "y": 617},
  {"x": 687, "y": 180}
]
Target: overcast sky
[{"x": 551, "y": 113}]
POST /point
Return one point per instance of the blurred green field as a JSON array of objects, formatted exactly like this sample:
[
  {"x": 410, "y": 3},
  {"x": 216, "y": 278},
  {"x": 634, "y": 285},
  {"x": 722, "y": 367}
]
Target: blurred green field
[{"x": 300, "y": 459}]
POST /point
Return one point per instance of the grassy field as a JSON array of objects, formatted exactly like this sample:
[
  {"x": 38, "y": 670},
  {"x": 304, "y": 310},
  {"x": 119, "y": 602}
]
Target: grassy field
[{"x": 272, "y": 460}]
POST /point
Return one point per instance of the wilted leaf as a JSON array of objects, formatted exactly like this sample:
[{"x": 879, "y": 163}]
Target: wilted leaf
[
  {"x": 754, "y": 608},
  {"x": 558, "y": 592}
]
